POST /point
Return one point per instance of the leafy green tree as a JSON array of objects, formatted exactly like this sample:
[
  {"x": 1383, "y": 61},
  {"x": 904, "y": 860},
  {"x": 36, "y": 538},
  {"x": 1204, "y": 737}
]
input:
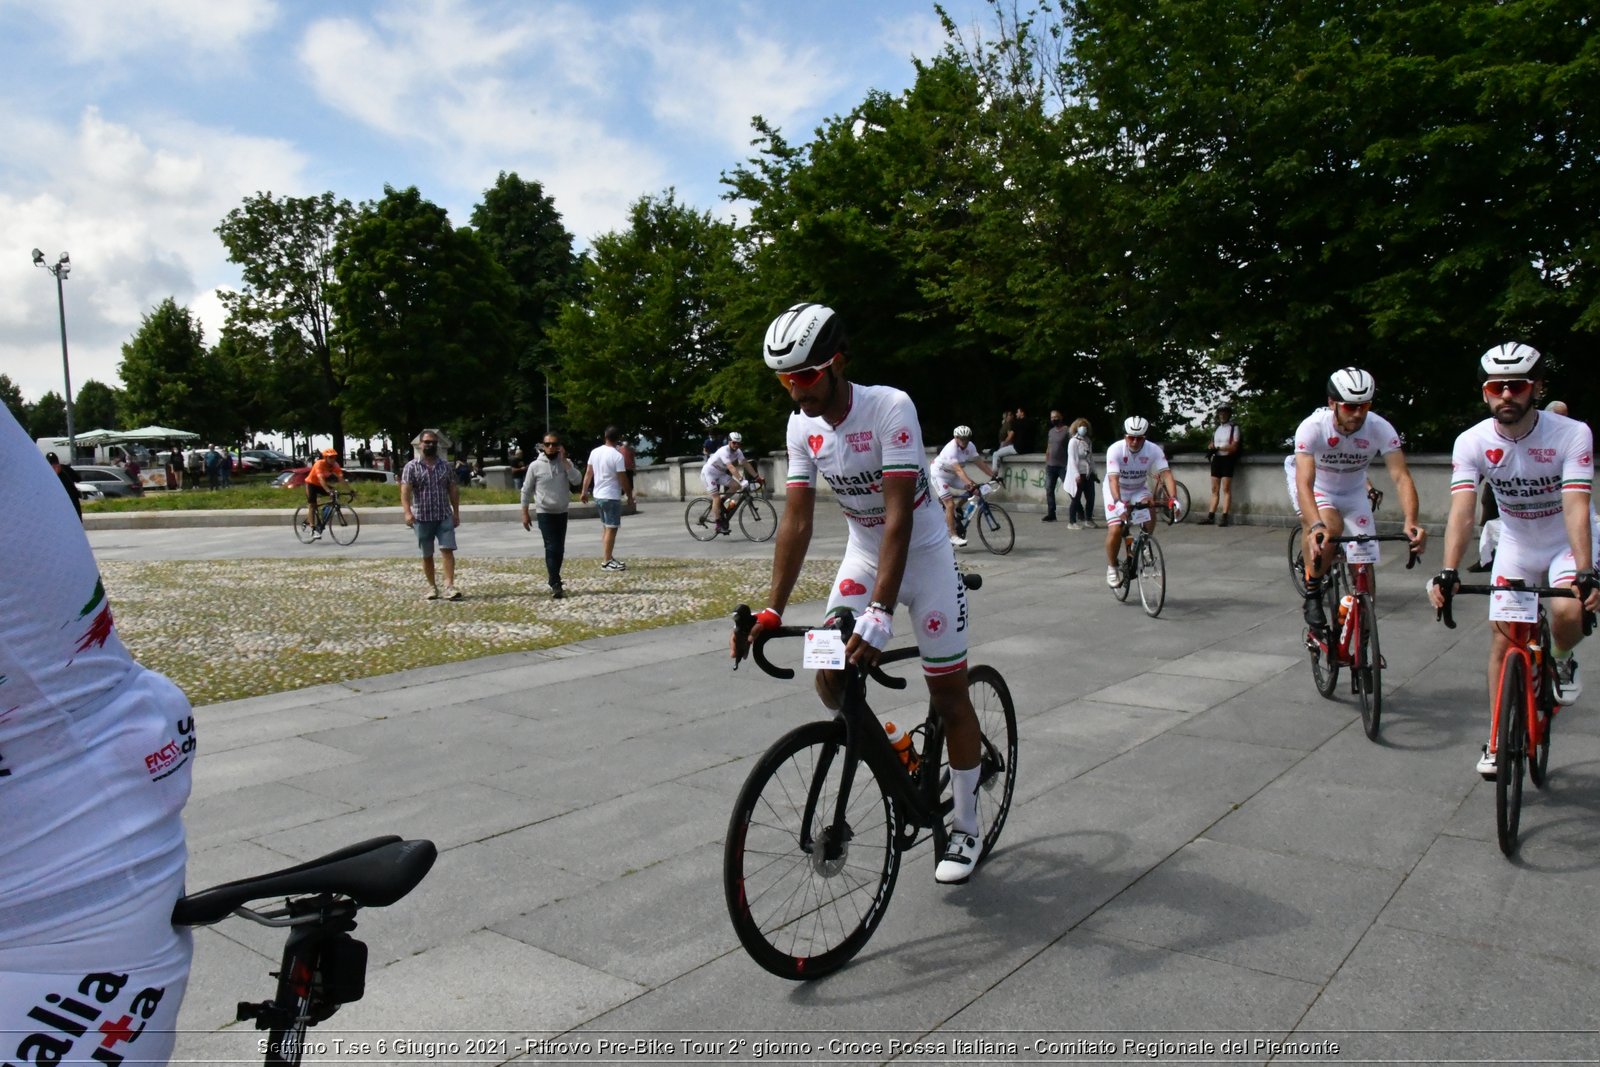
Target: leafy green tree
[
  {"x": 517, "y": 222},
  {"x": 164, "y": 369},
  {"x": 47, "y": 417},
  {"x": 285, "y": 248},
  {"x": 11, "y": 397},
  {"x": 96, "y": 406},
  {"x": 643, "y": 350},
  {"x": 423, "y": 315}
]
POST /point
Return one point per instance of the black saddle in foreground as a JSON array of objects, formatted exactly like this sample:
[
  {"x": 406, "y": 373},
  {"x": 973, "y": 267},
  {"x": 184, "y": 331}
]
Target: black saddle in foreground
[{"x": 374, "y": 874}]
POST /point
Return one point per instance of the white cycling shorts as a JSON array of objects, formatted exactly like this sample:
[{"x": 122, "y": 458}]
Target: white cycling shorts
[
  {"x": 1549, "y": 563},
  {"x": 949, "y": 489},
  {"x": 716, "y": 483},
  {"x": 119, "y": 1000},
  {"x": 931, "y": 592},
  {"x": 1117, "y": 511}
]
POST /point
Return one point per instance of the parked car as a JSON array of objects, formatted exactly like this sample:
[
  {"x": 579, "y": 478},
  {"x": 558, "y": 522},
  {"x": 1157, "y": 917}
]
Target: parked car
[
  {"x": 266, "y": 459},
  {"x": 111, "y": 481},
  {"x": 291, "y": 478},
  {"x": 89, "y": 493}
]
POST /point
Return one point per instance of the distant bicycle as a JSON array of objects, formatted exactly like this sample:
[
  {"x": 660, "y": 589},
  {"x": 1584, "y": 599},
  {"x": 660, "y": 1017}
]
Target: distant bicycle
[
  {"x": 336, "y": 517},
  {"x": 758, "y": 519},
  {"x": 995, "y": 528},
  {"x": 1162, "y": 500}
]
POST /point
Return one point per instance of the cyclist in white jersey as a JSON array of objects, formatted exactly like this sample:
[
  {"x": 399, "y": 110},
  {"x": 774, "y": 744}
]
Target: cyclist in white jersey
[
  {"x": 1540, "y": 467},
  {"x": 95, "y": 758},
  {"x": 866, "y": 443},
  {"x": 950, "y": 476},
  {"x": 719, "y": 472},
  {"x": 1130, "y": 465},
  {"x": 1333, "y": 449}
]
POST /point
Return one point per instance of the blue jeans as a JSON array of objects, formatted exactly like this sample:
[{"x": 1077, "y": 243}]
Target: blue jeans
[{"x": 1052, "y": 475}]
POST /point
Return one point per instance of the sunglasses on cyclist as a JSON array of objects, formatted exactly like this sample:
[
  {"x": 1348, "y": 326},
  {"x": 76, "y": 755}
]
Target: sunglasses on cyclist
[
  {"x": 1502, "y": 386},
  {"x": 805, "y": 377},
  {"x": 1352, "y": 409}
]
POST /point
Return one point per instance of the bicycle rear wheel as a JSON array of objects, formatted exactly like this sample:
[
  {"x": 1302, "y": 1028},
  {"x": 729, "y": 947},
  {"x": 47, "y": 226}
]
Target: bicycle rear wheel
[
  {"x": 802, "y": 901},
  {"x": 344, "y": 525},
  {"x": 1544, "y": 705},
  {"x": 302, "y": 525},
  {"x": 1297, "y": 561},
  {"x": 1324, "y": 648},
  {"x": 1183, "y": 501},
  {"x": 997, "y": 777},
  {"x": 995, "y": 529},
  {"x": 1367, "y": 671},
  {"x": 1152, "y": 576},
  {"x": 698, "y": 518},
  {"x": 1124, "y": 572},
  {"x": 1510, "y": 749},
  {"x": 758, "y": 520}
]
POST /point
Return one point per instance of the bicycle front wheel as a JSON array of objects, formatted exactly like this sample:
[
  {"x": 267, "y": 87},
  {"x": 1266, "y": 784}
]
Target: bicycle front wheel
[
  {"x": 698, "y": 517},
  {"x": 1367, "y": 671},
  {"x": 344, "y": 525},
  {"x": 1510, "y": 746},
  {"x": 757, "y": 520},
  {"x": 302, "y": 525},
  {"x": 803, "y": 896},
  {"x": 995, "y": 529},
  {"x": 1152, "y": 570},
  {"x": 997, "y": 777}
]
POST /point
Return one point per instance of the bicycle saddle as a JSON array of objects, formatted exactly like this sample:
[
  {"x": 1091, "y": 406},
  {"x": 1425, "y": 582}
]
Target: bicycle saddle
[{"x": 373, "y": 873}]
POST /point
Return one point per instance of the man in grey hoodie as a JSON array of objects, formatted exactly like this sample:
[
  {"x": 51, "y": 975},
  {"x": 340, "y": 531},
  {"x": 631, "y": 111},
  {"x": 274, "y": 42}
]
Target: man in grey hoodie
[{"x": 548, "y": 486}]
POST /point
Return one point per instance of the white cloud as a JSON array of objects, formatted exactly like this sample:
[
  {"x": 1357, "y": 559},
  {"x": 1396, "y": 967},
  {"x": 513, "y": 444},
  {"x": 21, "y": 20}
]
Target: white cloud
[
  {"x": 96, "y": 31},
  {"x": 136, "y": 209}
]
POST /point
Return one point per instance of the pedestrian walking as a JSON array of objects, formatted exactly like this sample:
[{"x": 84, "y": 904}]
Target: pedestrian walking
[
  {"x": 607, "y": 478},
  {"x": 69, "y": 481},
  {"x": 430, "y": 501},
  {"x": 548, "y": 486}
]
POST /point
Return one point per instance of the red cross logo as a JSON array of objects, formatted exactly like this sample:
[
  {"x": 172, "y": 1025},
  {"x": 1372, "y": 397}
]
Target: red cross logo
[
  {"x": 902, "y": 438},
  {"x": 121, "y": 1030}
]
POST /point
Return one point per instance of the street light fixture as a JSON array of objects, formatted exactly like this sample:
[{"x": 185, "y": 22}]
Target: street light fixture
[{"x": 61, "y": 268}]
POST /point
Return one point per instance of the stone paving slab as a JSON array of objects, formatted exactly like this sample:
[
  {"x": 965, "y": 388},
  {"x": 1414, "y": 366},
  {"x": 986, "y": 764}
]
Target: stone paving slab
[{"x": 1198, "y": 840}]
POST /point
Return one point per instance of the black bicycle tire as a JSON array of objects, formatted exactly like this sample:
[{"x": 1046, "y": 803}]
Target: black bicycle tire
[
  {"x": 1512, "y": 735},
  {"x": 997, "y": 722},
  {"x": 697, "y": 518},
  {"x": 344, "y": 520},
  {"x": 787, "y": 879},
  {"x": 302, "y": 528},
  {"x": 1159, "y": 502},
  {"x": 1297, "y": 560},
  {"x": 994, "y": 515},
  {"x": 1368, "y": 668},
  {"x": 1543, "y": 710},
  {"x": 1121, "y": 590},
  {"x": 767, "y": 519},
  {"x": 1184, "y": 500},
  {"x": 1325, "y": 664},
  {"x": 1150, "y": 552}
]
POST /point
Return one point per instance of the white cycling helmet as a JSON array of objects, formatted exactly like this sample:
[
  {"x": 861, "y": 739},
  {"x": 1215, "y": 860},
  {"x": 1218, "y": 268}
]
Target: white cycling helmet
[
  {"x": 736, "y": 437},
  {"x": 1352, "y": 386},
  {"x": 804, "y": 333},
  {"x": 963, "y": 432},
  {"x": 1511, "y": 360},
  {"x": 1134, "y": 426}
]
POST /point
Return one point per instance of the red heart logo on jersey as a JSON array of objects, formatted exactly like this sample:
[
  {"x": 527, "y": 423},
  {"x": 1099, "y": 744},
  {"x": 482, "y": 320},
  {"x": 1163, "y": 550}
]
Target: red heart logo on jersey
[
  {"x": 851, "y": 587},
  {"x": 1494, "y": 455},
  {"x": 1332, "y": 441},
  {"x": 815, "y": 441}
]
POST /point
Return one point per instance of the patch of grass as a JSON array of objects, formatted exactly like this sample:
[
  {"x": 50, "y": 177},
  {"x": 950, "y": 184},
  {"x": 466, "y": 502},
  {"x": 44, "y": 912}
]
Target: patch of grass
[{"x": 226, "y": 629}]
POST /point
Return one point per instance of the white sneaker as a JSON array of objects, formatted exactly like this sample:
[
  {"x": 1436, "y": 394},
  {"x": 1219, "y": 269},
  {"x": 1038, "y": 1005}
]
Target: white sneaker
[
  {"x": 432, "y": 593},
  {"x": 960, "y": 857},
  {"x": 1074, "y": 526},
  {"x": 959, "y": 542},
  {"x": 452, "y": 593},
  {"x": 1568, "y": 686},
  {"x": 1487, "y": 767},
  {"x": 1113, "y": 577}
]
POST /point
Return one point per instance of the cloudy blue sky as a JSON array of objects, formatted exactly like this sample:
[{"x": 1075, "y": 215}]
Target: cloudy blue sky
[{"x": 132, "y": 126}]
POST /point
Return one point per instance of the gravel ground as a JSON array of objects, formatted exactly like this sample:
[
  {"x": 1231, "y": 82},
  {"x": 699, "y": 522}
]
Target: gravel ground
[{"x": 236, "y": 628}]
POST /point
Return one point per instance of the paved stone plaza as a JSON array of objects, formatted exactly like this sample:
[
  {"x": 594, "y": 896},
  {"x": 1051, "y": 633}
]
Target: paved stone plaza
[{"x": 1201, "y": 848}]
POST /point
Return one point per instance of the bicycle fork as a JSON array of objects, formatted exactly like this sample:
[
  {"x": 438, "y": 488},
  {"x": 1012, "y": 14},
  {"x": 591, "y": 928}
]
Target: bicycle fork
[{"x": 1532, "y": 666}]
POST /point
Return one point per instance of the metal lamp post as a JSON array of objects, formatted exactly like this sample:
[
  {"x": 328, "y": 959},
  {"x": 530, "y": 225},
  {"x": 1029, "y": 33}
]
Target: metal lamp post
[{"x": 61, "y": 268}]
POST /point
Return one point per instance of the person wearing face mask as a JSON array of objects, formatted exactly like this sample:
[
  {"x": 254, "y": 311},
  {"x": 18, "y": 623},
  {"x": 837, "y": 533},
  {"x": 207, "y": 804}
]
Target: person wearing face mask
[
  {"x": 1080, "y": 471},
  {"x": 430, "y": 500},
  {"x": 1055, "y": 462}
]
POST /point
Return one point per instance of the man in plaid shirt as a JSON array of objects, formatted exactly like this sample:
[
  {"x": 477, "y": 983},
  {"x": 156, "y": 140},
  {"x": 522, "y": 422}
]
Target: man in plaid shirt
[{"x": 431, "y": 502}]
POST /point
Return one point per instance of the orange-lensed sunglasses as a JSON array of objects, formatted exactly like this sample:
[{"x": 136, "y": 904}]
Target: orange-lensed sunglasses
[
  {"x": 1351, "y": 409},
  {"x": 805, "y": 377},
  {"x": 1502, "y": 386}
]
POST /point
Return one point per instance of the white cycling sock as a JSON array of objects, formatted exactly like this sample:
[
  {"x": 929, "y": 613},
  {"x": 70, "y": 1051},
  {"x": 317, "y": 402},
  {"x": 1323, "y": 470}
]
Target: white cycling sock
[{"x": 964, "y": 788}]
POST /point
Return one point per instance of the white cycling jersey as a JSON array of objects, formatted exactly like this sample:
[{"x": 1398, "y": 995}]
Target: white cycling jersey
[
  {"x": 1529, "y": 475},
  {"x": 878, "y": 439},
  {"x": 945, "y": 466},
  {"x": 1134, "y": 471},
  {"x": 95, "y": 763},
  {"x": 724, "y": 461},
  {"x": 1342, "y": 459}
]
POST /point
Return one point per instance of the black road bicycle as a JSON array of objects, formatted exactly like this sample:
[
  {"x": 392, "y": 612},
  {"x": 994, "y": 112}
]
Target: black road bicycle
[
  {"x": 994, "y": 526},
  {"x": 758, "y": 519},
  {"x": 1163, "y": 501},
  {"x": 323, "y": 966},
  {"x": 335, "y": 517},
  {"x": 814, "y": 843},
  {"x": 1142, "y": 561}
]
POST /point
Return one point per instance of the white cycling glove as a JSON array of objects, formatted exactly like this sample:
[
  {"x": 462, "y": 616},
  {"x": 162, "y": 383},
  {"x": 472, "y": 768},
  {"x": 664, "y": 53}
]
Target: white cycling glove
[
  {"x": 986, "y": 488},
  {"x": 875, "y": 627}
]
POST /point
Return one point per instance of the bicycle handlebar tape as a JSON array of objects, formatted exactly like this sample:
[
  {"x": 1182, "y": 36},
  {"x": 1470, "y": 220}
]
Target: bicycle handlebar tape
[{"x": 1446, "y": 581}]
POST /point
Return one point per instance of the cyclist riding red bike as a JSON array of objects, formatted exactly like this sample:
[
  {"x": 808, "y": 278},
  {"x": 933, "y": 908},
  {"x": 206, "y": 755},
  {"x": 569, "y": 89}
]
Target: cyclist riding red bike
[
  {"x": 1540, "y": 466},
  {"x": 866, "y": 442}
]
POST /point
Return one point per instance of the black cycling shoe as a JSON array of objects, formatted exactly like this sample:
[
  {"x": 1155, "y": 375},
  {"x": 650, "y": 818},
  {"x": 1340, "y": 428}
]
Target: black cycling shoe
[{"x": 1315, "y": 617}]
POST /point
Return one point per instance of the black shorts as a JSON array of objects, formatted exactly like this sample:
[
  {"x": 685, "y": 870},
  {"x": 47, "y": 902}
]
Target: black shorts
[{"x": 1222, "y": 466}]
